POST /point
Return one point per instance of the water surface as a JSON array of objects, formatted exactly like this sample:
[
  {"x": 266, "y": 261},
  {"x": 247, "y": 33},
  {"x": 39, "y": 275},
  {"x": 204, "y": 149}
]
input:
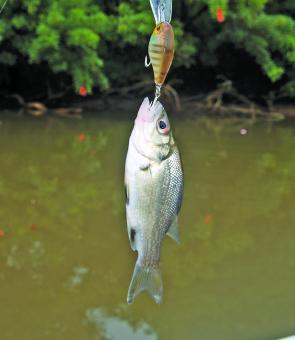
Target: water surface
[{"x": 65, "y": 259}]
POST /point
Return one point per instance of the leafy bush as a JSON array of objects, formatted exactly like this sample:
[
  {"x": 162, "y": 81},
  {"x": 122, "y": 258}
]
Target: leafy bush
[{"x": 102, "y": 43}]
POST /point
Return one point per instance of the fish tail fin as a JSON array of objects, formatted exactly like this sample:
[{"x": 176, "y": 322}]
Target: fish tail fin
[{"x": 146, "y": 278}]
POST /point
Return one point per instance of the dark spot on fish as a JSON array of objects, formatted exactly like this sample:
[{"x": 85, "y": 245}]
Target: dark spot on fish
[
  {"x": 126, "y": 195},
  {"x": 144, "y": 167},
  {"x": 132, "y": 235}
]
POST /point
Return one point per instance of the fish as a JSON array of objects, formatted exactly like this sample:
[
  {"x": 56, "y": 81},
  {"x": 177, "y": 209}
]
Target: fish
[
  {"x": 154, "y": 191},
  {"x": 161, "y": 51}
]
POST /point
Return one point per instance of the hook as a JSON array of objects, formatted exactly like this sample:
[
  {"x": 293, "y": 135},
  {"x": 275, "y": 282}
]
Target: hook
[{"x": 146, "y": 63}]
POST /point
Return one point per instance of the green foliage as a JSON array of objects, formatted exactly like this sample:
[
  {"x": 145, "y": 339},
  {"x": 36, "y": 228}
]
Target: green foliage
[
  {"x": 268, "y": 37},
  {"x": 103, "y": 43}
]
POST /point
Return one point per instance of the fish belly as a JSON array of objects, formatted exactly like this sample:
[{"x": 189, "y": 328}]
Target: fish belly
[{"x": 142, "y": 212}]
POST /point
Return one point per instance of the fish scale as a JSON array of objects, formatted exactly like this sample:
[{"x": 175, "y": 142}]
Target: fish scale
[{"x": 172, "y": 184}]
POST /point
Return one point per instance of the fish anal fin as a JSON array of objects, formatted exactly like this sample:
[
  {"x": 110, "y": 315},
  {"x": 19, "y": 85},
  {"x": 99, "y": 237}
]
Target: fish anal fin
[{"x": 173, "y": 230}]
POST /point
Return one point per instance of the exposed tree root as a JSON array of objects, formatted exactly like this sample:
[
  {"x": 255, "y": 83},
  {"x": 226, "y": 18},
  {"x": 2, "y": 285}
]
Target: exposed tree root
[
  {"x": 214, "y": 103},
  {"x": 38, "y": 109}
]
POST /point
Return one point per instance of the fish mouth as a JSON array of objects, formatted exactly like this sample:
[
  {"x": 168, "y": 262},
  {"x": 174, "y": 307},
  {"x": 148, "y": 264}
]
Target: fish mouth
[
  {"x": 149, "y": 111},
  {"x": 157, "y": 107}
]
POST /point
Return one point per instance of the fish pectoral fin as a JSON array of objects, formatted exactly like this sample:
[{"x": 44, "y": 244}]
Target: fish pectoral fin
[
  {"x": 173, "y": 230},
  {"x": 145, "y": 166}
]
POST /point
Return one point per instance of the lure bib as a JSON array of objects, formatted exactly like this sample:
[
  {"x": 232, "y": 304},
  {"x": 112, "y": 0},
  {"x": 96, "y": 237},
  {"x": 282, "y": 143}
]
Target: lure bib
[{"x": 161, "y": 51}]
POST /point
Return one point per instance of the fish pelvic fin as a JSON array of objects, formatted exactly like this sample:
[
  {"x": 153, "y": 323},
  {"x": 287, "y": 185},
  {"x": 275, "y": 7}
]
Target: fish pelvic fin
[
  {"x": 173, "y": 231},
  {"x": 146, "y": 278}
]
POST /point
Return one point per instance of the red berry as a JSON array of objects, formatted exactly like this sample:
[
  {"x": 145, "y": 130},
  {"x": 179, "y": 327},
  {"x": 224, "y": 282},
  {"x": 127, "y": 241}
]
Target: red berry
[
  {"x": 82, "y": 91},
  {"x": 219, "y": 15}
]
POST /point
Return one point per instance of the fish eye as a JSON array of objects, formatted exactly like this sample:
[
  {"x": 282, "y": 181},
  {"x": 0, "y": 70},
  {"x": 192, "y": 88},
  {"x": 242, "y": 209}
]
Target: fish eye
[
  {"x": 162, "y": 125},
  {"x": 158, "y": 28}
]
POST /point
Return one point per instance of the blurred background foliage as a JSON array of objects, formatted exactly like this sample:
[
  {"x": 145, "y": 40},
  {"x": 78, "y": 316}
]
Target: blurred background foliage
[{"x": 102, "y": 44}]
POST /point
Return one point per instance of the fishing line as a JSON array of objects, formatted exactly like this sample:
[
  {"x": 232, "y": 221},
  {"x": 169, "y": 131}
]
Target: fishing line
[{"x": 2, "y": 8}]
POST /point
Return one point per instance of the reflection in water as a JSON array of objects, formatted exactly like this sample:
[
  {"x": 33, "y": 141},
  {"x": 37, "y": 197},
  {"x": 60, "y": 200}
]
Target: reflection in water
[
  {"x": 64, "y": 246},
  {"x": 116, "y": 329},
  {"x": 78, "y": 276}
]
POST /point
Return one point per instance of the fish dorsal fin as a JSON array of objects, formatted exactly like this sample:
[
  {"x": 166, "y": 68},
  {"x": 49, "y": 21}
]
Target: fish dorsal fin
[
  {"x": 162, "y": 10},
  {"x": 173, "y": 230}
]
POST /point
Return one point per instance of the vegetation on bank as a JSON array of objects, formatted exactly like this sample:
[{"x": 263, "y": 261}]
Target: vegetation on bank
[{"x": 101, "y": 44}]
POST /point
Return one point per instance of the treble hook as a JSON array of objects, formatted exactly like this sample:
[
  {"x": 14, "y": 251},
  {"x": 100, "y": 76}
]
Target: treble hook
[{"x": 146, "y": 63}]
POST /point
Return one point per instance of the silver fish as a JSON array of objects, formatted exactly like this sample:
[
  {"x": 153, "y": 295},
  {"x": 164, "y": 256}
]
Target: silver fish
[{"x": 154, "y": 187}]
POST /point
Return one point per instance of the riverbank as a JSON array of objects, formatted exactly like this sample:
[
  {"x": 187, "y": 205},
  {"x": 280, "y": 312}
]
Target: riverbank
[{"x": 209, "y": 104}]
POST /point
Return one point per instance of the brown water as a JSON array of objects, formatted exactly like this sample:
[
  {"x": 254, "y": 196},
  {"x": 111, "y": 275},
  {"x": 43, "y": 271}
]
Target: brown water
[{"x": 65, "y": 260}]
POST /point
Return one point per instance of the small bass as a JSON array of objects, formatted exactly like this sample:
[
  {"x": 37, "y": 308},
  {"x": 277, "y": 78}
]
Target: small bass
[{"x": 154, "y": 187}]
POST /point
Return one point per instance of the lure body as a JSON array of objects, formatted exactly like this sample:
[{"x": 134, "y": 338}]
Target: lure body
[{"x": 161, "y": 51}]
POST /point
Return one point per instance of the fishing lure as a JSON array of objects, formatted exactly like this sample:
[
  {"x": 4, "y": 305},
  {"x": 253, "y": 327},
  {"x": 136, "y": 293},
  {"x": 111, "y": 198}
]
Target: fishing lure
[{"x": 161, "y": 45}]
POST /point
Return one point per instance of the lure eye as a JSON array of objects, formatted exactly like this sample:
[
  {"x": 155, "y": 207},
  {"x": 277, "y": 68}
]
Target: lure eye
[{"x": 162, "y": 125}]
